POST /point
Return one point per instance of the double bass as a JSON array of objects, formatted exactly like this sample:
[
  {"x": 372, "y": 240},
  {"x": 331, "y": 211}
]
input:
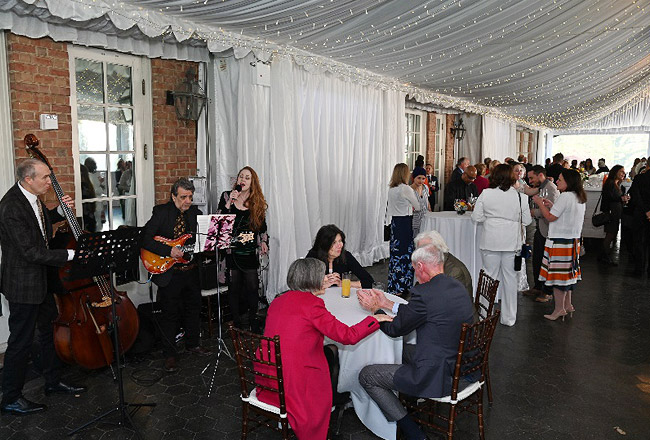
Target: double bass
[{"x": 82, "y": 327}]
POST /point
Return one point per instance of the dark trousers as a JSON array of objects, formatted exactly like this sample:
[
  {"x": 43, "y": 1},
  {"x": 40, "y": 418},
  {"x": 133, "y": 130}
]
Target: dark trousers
[
  {"x": 23, "y": 320},
  {"x": 243, "y": 286},
  {"x": 180, "y": 303},
  {"x": 641, "y": 249},
  {"x": 538, "y": 253}
]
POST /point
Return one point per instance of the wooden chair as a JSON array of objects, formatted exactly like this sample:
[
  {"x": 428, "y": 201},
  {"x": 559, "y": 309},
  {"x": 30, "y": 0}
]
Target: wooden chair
[
  {"x": 472, "y": 359},
  {"x": 486, "y": 294},
  {"x": 260, "y": 366}
]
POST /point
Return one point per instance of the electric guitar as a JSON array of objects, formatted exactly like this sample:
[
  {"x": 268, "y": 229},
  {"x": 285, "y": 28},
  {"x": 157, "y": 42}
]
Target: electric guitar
[{"x": 156, "y": 264}]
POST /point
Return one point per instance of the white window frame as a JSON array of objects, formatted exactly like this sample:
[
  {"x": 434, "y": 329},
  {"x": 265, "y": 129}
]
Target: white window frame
[
  {"x": 142, "y": 125},
  {"x": 409, "y": 157},
  {"x": 439, "y": 157}
]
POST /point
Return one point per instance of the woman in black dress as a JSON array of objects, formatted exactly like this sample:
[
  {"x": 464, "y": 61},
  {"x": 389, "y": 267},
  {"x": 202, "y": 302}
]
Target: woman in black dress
[
  {"x": 247, "y": 202},
  {"x": 612, "y": 202}
]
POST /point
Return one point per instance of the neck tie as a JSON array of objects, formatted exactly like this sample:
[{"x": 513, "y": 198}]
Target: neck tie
[
  {"x": 42, "y": 221},
  {"x": 179, "y": 227}
]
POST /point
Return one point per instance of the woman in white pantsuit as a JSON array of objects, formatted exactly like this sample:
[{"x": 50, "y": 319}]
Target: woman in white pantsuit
[{"x": 502, "y": 211}]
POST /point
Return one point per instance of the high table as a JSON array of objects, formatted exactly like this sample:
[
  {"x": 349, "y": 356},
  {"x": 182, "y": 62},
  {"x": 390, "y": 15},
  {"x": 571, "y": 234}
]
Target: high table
[
  {"x": 462, "y": 236},
  {"x": 376, "y": 348}
]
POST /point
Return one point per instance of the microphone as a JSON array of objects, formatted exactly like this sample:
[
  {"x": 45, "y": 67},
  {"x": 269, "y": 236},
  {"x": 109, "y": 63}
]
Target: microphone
[{"x": 238, "y": 188}]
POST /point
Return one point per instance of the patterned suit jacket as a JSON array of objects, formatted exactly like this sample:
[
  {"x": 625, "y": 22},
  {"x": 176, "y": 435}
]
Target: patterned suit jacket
[{"x": 25, "y": 256}]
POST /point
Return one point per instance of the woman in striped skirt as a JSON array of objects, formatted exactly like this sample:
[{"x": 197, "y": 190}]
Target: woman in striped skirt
[{"x": 561, "y": 261}]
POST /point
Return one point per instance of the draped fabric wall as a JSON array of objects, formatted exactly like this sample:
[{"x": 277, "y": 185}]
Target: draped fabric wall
[
  {"x": 324, "y": 149},
  {"x": 499, "y": 138},
  {"x": 471, "y": 145}
]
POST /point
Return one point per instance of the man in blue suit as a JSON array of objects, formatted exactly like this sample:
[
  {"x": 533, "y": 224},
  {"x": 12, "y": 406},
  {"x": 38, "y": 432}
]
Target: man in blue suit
[{"x": 438, "y": 307}]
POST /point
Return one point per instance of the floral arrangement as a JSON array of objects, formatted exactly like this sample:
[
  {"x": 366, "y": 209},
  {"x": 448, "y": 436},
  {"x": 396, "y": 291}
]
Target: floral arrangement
[
  {"x": 460, "y": 206},
  {"x": 583, "y": 174}
]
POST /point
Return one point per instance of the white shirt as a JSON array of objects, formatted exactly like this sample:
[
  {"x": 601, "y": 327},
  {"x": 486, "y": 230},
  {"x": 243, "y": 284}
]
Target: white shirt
[
  {"x": 570, "y": 216},
  {"x": 499, "y": 213},
  {"x": 402, "y": 201},
  {"x": 33, "y": 202}
]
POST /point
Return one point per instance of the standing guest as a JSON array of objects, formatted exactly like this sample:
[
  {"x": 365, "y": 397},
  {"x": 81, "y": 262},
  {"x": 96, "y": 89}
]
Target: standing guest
[
  {"x": 633, "y": 169},
  {"x": 574, "y": 164},
  {"x": 537, "y": 178},
  {"x": 522, "y": 159},
  {"x": 462, "y": 188},
  {"x": 329, "y": 247},
  {"x": 432, "y": 184},
  {"x": 639, "y": 167},
  {"x": 25, "y": 233},
  {"x": 589, "y": 167},
  {"x": 640, "y": 197},
  {"x": 553, "y": 171},
  {"x": 561, "y": 261},
  {"x": 493, "y": 165},
  {"x": 422, "y": 193},
  {"x": 301, "y": 320},
  {"x": 503, "y": 212},
  {"x": 481, "y": 182},
  {"x": 461, "y": 165},
  {"x": 179, "y": 292},
  {"x": 612, "y": 201},
  {"x": 401, "y": 204},
  {"x": 437, "y": 309},
  {"x": 602, "y": 168},
  {"x": 248, "y": 204},
  {"x": 487, "y": 161}
]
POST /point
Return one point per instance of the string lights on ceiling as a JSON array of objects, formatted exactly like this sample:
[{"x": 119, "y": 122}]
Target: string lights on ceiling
[{"x": 540, "y": 63}]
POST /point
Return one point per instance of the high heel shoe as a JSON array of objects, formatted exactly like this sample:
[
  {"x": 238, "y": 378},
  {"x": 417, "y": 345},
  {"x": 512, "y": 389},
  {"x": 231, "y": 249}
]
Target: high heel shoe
[
  {"x": 570, "y": 311},
  {"x": 553, "y": 316}
]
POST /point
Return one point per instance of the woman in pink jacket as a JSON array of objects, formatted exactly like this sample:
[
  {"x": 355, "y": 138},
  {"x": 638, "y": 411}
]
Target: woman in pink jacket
[{"x": 301, "y": 320}]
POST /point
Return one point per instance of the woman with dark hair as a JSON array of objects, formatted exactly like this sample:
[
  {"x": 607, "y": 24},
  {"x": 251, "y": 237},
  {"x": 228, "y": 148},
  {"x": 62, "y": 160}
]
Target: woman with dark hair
[
  {"x": 612, "y": 201},
  {"x": 589, "y": 167},
  {"x": 329, "y": 247},
  {"x": 301, "y": 320},
  {"x": 561, "y": 261},
  {"x": 248, "y": 204},
  {"x": 503, "y": 213},
  {"x": 401, "y": 204}
]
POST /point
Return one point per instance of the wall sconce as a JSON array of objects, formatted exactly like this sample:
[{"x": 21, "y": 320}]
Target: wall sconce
[
  {"x": 189, "y": 99},
  {"x": 458, "y": 130}
]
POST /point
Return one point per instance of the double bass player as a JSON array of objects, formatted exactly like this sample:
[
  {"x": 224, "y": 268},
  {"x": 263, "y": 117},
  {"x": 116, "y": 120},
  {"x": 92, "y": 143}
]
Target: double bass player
[{"x": 25, "y": 232}]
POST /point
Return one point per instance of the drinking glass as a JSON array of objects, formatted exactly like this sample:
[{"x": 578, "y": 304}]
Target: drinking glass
[{"x": 345, "y": 285}]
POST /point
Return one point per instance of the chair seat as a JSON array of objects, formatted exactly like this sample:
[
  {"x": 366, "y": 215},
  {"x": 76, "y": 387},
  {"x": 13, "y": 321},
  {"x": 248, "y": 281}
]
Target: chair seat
[
  {"x": 462, "y": 395},
  {"x": 210, "y": 292},
  {"x": 253, "y": 400}
]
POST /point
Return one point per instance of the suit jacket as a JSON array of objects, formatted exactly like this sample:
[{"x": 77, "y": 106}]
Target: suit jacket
[
  {"x": 456, "y": 174},
  {"x": 25, "y": 256},
  {"x": 301, "y": 320},
  {"x": 458, "y": 189},
  {"x": 436, "y": 311},
  {"x": 162, "y": 222},
  {"x": 457, "y": 270}
]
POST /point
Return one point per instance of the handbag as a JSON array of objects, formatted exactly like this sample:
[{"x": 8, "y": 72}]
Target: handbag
[{"x": 602, "y": 217}]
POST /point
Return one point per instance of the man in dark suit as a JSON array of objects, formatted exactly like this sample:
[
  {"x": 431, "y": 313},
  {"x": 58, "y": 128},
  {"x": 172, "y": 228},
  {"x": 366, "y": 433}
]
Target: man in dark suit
[
  {"x": 461, "y": 165},
  {"x": 25, "y": 231},
  {"x": 555, "y": 169},
  {"x": 462, "y": 188},
  {"x": 438, "y": 307},
  {"x": 179, "y": 291}
]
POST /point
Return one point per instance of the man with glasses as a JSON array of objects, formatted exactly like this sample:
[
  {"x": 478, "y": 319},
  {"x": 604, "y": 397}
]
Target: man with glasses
[{"x": 462, "y": 188}]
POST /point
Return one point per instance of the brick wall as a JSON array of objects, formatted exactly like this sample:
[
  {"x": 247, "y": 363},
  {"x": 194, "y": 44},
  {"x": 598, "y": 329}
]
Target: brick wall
[
  {"x": 450, "y": 161},
  {"x": 40, "y": 83},
  {"x": 174, "y": 140},
  {"x": 431, "y": 138}
]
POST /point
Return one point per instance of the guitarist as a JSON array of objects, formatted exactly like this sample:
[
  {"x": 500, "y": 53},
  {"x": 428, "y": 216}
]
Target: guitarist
[{"x": 179, "y": 291}]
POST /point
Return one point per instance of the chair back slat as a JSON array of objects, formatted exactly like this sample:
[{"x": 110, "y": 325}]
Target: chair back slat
[{"x": 486, "y": 293}]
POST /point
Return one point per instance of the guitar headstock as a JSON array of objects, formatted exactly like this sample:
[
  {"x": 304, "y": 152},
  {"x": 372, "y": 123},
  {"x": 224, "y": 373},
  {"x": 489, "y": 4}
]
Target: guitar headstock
[{"x": 32, "y": 143}]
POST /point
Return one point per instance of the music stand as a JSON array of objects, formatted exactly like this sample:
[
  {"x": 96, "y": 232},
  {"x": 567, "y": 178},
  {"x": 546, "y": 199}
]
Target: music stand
[
  {"x": 218, "y": 236},
  {"x": 98, "y": 254}
]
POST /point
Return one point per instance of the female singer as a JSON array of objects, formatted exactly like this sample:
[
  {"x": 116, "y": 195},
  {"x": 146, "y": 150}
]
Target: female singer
[{"x": 247, "y": 202}]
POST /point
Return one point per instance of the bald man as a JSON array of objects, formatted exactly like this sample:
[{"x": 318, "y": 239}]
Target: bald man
[{"x": 462, "y": 188}]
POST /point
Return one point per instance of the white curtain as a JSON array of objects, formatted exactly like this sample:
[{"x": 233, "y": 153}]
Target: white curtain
[
  {"x": 499, "y": 138},
  {"x": 324, "y": 149},
  {"x": 471, "y": 144}
]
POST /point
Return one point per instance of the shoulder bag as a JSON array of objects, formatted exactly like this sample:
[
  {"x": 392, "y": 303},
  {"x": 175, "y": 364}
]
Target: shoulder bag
[{"x": 602, "y": 217}]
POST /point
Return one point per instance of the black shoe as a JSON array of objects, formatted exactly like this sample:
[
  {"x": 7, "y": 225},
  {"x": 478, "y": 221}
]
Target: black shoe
[
  {"x": 64, "y": 388},
  {"x": 22, "y": 407}
]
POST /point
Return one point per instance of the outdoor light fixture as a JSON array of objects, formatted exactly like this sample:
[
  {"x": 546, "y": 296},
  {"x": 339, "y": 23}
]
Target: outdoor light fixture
[
  {"x": 189, "y": 99},
  {"x": 458, "y": 130}
]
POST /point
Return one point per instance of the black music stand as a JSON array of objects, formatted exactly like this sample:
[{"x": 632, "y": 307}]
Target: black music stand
[{"x": 99, "y": 254}]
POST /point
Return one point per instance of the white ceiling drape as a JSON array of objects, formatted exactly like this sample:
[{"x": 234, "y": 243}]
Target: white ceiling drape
[{"x": 560, "y": 64}]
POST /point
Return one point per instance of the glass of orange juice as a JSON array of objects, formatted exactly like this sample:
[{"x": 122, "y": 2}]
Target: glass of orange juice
[{"x": 345, "y": 285}]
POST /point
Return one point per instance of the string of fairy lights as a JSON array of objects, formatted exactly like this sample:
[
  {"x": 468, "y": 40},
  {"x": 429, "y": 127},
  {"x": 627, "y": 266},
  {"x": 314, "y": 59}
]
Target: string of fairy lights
[{"x": 529, "y": 62}]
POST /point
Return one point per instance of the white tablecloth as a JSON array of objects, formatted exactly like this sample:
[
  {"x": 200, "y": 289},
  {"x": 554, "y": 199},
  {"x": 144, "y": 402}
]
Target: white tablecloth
[
  {"x": 589, "y": 230},
  {"x": 376, "y": 348},
  {"x": 462, "y": 236}
]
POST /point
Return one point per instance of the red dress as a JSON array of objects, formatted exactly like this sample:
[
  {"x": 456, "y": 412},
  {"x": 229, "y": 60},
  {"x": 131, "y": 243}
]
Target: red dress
[{"x": 301, "y": 320}]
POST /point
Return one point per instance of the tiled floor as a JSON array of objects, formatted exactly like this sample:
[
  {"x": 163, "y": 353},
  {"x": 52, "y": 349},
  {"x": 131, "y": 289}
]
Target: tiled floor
[{"x": 585, "y": 378}]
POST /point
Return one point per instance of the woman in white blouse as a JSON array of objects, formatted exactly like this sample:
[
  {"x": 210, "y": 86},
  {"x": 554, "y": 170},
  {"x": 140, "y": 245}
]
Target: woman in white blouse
[
  {"x": 504, "y": 214},
  {"x": 561, "y": 261},
  {"x": 401, "y": 204}
]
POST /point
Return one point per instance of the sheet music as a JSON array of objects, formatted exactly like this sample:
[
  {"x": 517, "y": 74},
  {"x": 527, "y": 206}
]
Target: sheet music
[{"x": 214, "y": 229}]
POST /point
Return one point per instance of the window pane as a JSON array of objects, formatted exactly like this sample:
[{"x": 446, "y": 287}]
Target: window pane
[
  {"x": 120, "y": 129},
  {"x": 92, "y": 131},
  {"x": 124, "y": 212},
  {"x": 416, "y": 123},
  {"x": 118, "y": 84},
  {"x": 95, "y": 165},
  {"x": 91, "y": 217},
  {"x": 124, "y": 172},
  {"x": 89, "y": 81}
]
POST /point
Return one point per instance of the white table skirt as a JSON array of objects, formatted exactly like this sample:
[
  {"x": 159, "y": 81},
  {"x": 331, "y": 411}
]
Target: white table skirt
[
  {"x": 588, "y": 229},
  {"x": 462, "y": 236},
  {"x": 376, "y": 348}
]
